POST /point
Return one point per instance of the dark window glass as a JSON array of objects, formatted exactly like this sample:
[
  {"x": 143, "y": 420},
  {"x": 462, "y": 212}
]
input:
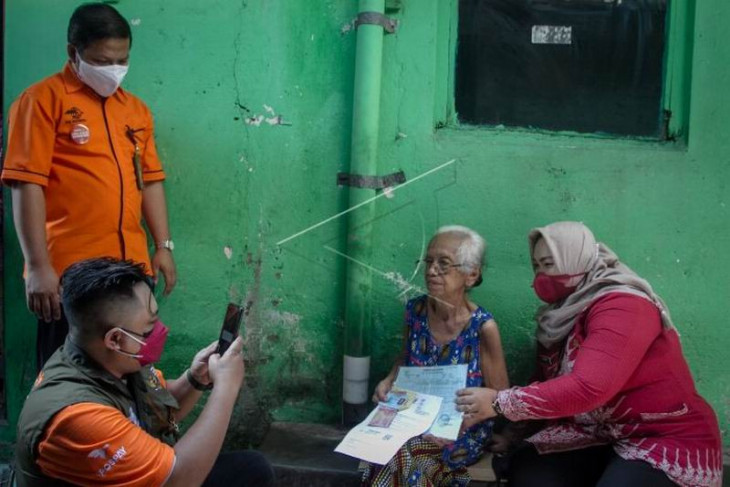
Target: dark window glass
[{"x": 581, "y": 65}]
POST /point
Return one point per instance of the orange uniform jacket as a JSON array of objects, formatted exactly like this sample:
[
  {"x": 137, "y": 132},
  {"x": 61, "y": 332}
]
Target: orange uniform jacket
[
  {"x": 78, "y": 147},
  {"x": 92, "y": 444}
]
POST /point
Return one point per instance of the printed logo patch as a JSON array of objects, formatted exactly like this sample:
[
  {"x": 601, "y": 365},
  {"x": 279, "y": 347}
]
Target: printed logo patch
[
  {"x": 153, "y": 382},
  {"x": 101, "y": 453},
  {"x": 111, "y": 462},
  {"x": 75, "y": 113}
]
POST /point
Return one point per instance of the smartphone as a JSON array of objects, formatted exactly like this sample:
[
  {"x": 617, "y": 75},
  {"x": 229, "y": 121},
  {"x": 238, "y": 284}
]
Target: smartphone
[{"x": 230, "y": 328}]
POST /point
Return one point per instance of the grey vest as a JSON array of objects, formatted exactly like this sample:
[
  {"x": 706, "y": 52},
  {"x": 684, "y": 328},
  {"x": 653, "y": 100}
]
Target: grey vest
[{"x": 71, "y": 377}]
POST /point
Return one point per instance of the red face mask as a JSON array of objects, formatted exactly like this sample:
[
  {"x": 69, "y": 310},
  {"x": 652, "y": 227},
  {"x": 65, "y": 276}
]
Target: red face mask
[
  {"x": 152, "y": 344},
  {"x": 552, "y": 289}
]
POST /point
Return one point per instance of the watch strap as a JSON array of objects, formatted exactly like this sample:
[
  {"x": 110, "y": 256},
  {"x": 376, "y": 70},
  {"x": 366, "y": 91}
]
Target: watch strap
[
  {"x": 165, "y": 244},
  {"x": 197, "y": 385},
  {"x": 497, "y": 408}
]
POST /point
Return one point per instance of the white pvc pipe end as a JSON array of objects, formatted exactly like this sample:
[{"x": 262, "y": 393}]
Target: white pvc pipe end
[{"x": 355, "y": 379}]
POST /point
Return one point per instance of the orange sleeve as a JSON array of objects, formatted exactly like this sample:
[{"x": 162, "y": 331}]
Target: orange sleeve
[
  {"x": 91, "y": 444},
  {"x": 31, "y": 137},
  {"x": 151, "y": 166}
]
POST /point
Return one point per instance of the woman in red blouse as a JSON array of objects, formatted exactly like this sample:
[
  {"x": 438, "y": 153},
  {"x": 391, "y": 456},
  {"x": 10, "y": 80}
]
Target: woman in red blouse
[{"x": 618, "y": 400}]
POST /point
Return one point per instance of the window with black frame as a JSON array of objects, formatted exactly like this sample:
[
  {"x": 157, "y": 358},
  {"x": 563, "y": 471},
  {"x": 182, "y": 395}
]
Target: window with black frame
[{"x": 591, "y": 66}]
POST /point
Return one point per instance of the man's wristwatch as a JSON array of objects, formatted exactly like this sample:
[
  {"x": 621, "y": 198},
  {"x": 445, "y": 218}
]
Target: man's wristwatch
[
  {"x": 197, "y": 385},
  {"x": 166, "y": 244},
  {"x": 497, "y": 408}
]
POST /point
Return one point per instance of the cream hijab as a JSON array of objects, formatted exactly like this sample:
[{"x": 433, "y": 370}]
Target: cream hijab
[{"x": 575, "y": 251}]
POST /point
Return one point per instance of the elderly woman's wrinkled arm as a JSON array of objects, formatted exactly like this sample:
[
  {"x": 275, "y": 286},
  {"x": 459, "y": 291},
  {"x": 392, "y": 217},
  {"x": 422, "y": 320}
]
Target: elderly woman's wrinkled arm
[
  {"x": 491, "y": 355},
  {"x": 476, "y": 402}
]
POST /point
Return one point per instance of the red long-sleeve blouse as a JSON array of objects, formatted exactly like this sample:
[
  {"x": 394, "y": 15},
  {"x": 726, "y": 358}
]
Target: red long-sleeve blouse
[{"x": 620, "y": 378}]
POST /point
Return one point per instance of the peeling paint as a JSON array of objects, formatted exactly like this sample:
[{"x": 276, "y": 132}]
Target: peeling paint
[
  {"x": 228, "y": 251},
  {"x": 400, "y": 282},
  {"x": 257, "y": 119},
  {"x": 277, "y": 120},
  {"x": 680, "y": 184},
  {"x": 347, "y": 27},
  {"x": 284, "y": 317}
]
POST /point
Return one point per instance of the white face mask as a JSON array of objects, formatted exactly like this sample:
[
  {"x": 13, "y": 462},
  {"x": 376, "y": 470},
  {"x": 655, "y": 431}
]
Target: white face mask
[{"x": 103, "y": 79}]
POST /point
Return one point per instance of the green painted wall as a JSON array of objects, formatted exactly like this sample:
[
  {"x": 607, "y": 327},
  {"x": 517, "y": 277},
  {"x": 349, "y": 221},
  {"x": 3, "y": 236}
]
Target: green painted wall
[{"x": 205, "y": 67}]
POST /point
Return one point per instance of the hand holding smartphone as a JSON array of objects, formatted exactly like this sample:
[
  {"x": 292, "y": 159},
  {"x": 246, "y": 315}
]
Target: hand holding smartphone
[{"x": 231, "y": 327}]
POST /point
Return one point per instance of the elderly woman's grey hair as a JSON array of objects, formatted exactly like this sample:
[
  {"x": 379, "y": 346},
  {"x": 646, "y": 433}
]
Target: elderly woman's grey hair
[{"x": 472, "y": 249}]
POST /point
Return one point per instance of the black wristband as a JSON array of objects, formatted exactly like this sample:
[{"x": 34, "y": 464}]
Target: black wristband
[{"x": 197, "y": 385}]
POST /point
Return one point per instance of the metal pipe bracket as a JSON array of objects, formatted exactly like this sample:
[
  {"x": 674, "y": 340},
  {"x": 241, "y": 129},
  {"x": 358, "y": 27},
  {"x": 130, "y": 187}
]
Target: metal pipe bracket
[
  {"x": 376, "y": 18},
  {"x": 370, "y": 182}
]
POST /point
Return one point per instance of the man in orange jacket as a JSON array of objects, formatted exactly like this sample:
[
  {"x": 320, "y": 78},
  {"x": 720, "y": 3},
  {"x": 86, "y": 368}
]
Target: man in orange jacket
[{"x": 83, "y": 168}]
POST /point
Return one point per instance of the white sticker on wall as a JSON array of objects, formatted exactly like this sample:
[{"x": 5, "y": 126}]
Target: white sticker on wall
[{"x": 552, "y": 34}]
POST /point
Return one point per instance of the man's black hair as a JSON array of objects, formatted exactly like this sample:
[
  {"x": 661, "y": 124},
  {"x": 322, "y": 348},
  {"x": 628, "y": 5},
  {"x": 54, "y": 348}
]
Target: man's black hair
[
  {"x": 94, "y": 288},
  {"x": 93, "y": 22}
]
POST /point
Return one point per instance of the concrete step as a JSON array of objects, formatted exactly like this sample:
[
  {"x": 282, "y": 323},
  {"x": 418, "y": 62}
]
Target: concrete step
[{"x": 303, "y": 456}]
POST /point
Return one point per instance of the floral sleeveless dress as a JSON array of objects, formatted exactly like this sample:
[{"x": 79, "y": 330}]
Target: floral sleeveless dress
[{"x": 420, "y": 463}]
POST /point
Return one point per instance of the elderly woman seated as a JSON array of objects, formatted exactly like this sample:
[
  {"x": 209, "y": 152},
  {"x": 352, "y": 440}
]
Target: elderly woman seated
[{"x": 445, "y": 328}]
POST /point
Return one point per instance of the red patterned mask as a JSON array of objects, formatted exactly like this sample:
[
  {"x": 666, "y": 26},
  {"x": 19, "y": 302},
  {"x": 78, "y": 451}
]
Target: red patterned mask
[
  {"x": 152, "y": 345},
  {"x": 552, "y": 289}
]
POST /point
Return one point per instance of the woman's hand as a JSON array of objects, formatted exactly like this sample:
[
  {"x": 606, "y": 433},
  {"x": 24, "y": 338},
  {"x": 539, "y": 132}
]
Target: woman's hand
[
  {"x": 382, "y": 389},
  {"x": 476, "y": 404}
]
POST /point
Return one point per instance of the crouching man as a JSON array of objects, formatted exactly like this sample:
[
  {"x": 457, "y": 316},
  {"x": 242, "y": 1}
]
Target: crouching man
[{"x": 101, "y": 414}]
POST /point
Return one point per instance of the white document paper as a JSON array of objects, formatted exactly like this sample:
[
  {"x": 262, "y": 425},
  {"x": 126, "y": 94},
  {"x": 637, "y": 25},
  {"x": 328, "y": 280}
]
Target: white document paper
[
  {"x": 377, "y": 439},
  {"x": 442, "y": 381}
]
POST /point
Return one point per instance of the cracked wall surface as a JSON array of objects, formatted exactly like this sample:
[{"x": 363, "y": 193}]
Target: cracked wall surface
[{"x": 252, "y": 103}]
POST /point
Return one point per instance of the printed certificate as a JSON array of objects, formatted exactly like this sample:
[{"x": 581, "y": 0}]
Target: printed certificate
[
  {"x": 442, "y": 381},
  {"x": 402, "y": 416}
]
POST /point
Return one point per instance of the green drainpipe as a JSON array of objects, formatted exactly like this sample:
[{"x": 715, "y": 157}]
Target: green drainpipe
[{"x": 363, "y": 161}]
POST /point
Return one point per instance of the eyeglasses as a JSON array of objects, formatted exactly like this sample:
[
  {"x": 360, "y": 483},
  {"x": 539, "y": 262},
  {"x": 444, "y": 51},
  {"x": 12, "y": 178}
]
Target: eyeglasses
[{"x": 442, "y": 265}]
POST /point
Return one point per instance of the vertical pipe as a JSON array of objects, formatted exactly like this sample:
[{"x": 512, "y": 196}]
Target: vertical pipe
[{"x": 363, "y": 160}]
